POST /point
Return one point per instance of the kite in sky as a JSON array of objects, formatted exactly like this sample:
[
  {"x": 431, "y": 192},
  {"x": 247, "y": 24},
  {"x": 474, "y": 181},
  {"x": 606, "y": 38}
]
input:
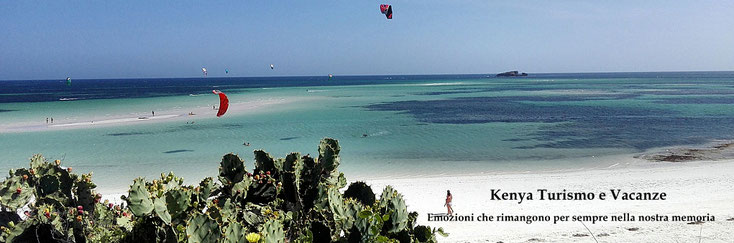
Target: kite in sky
[
  {"x": 223, "y": 102},
  {"x": 386, "y": 9}
]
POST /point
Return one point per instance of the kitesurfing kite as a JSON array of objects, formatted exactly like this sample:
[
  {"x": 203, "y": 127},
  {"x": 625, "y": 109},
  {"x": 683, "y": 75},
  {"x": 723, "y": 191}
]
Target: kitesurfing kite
[
  {"x": 386, "y": 9},
  {"x": 272, "y": 66},
  {"x": 330, "y": 76},
  {"x": 226, "y": 71},
  {"x": 68, "y": 81},
  {"x": 203, "y": 70},
  {"x": 223, "y": 102}
]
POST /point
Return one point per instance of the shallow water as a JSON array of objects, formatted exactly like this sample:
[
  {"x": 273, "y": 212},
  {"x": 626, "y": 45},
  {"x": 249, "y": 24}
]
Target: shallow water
[{"x": 415, "y": 125}]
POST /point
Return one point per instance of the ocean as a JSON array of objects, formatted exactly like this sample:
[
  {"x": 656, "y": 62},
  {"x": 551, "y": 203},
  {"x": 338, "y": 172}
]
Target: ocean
[{"x": 388, "y": 126}]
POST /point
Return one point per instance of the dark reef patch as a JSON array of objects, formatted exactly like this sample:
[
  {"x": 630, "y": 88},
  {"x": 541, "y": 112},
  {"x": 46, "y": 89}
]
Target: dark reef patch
[
  {"x": 178, "y": 151},
  {"x": 128, "y": 134},
  {"x": 572, "y": 125},
  {"x": 695, "y": 100}
]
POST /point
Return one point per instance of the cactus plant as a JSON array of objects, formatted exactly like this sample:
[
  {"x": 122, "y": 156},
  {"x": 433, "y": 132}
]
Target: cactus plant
[
  {"x": 235, "y": 233},
  {"x": 139, "y": 199},
  {"x": 273, "y": 232},
  {"x": 177, "y": 202},
  {"x": 329, "y": 154},
  {"x": 202, "y": 229},
  {"x": 48, "y": 184},
  {"x": 160, "y": 209},
  {"x": 265, "y": 163},
  {"x": 423, "y": 234},
  {"x": 15, "y": 193},
  {"x": 392, "y": 201},
  {"x": 361, "y": 192},
  {"x": 205, "y": 189},
  {"x": 231, "y": 170},
  {"x": 291, "y": 199}
]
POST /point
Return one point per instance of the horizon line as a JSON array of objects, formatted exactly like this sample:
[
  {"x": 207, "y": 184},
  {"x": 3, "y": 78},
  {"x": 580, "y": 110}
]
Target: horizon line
[{"x": 376, "y": 75}]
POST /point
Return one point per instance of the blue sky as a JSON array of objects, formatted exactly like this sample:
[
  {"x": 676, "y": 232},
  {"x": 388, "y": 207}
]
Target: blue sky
[{"x": 127, "y": 39}]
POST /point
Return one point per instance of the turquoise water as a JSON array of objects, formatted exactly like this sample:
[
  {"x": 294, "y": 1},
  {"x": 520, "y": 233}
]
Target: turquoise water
[{"x": 417, "y": 126}]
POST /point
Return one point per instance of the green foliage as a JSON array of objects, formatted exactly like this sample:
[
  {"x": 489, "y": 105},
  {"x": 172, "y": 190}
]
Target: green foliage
[
  {"x": 202, "y": 229},
  {"x": 139, "y": 199},
  {"x": 177, "y": 202},
  {"x": 291, "y": 199},
  {"x": 273, "y": 232},
  {"x": 361, "y": 192},
  {"x": 329, "y": 154},
  {"x": 235, "y": 233},
  {"x": 231, "y": 170},
  {"x": 392, "y": 201},
  {"x": 56, "y": 214}
]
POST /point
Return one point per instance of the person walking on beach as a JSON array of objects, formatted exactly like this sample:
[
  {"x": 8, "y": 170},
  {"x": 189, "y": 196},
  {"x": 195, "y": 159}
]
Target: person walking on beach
[
  {"x": 52, "y": 120},
  {"x": 448, "y": 202},
  {"x": 153, "y": 112},
  {"x": 46, "y": 120}
]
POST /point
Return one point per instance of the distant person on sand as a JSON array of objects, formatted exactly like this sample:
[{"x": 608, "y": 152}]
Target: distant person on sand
[
  {"x": 52, "y": 120},
  {"x": 46, "y": 120},
  {"x": 153, "y": 112},
  {"x": 448, "y": 202}
]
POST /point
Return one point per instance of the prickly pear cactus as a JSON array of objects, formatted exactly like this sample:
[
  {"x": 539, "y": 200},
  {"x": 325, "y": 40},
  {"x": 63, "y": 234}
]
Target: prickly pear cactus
[
  {"x": 392, "y": 202},
  {"x": 15, "y": 192},
  {"x": 205, "y": 189},
  {"x": 361, "y": 192},
  {"x": 290, "y": 178},
  {"x": 159, "y": 206},
  {"x": 84, "y": 195},
  {"x": 200, "y": 228},
  {"x": 138, "y": 198},
  {"x": 329, "y": 154},
  {"x": 48, "y": 184},
  {"x": 424, "y": 234},
  {"x": 231, "y": 170},
  {"x": 295, "y": 199},
  {"x": 264, "y": 163},
  {"x": 273, "y": 232},
  {"x": 235, "y": 233},
  {"x": 177, "y": 201}
]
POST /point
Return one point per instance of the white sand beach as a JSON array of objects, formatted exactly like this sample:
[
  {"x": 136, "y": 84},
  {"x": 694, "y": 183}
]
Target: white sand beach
[
  {"x": 132, "y": 118},
  {"x": 692, "y": 188}
]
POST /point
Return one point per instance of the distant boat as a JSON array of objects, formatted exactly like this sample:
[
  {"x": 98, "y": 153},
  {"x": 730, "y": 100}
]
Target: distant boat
[{"x": 512, "y": 74}]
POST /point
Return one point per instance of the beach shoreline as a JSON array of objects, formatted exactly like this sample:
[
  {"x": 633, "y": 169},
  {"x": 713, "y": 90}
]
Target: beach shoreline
[
  {"x": 692, "y": 188},
  {"x": 176, "y": 114}
]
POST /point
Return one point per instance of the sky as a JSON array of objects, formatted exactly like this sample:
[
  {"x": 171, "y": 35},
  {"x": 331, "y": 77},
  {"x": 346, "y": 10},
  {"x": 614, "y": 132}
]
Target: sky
[{"x": 147, "y": 39}]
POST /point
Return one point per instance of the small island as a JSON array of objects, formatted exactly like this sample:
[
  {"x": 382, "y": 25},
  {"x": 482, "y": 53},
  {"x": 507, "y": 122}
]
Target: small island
[{"x": 512, "y": 74}]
